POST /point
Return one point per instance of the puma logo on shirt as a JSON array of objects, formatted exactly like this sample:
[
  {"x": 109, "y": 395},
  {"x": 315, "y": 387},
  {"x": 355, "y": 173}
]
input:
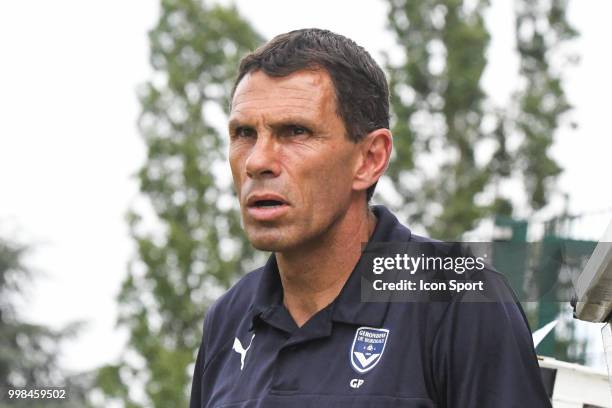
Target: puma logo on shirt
[{"x": 241, "y": 350}]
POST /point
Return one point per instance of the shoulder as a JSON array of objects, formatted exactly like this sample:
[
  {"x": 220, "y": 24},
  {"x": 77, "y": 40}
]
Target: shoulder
[
  {"x": 226, "y": 313},
  {"x": 240, "y": 295},
  {"x": 473, "y": 299}
]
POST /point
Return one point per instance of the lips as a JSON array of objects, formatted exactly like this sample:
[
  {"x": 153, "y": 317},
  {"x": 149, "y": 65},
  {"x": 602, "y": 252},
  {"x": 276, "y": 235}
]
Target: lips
[
  {"x": 266, "y": 206},
  {"x": 265, "y": 200}
]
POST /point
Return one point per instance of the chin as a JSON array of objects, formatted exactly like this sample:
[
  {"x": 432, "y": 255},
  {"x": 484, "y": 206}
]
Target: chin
[{"x": 269, "y": 241}]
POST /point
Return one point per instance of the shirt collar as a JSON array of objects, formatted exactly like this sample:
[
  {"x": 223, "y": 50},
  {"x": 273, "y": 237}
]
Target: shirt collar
[{"x": 347, "y": 307}]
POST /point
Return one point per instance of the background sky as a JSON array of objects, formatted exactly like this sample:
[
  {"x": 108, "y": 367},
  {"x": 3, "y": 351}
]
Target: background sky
[{"x": 69, "y": 144}]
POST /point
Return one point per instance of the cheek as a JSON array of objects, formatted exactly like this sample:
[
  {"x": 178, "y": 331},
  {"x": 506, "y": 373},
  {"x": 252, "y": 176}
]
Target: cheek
[
  {"x": 236, "y": 156},
  {"x": 331, "y": 182},
  {"x": 236, "y": 162}
]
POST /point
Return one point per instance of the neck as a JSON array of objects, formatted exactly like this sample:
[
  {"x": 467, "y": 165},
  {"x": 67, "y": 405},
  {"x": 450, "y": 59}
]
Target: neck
[{"x": 314, "y": 274}]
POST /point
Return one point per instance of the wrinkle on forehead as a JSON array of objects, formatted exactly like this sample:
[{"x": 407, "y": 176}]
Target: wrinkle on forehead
[{"x": 299, "y": 90}]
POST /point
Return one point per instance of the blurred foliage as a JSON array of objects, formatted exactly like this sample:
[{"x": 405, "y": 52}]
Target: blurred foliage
[
  {"x": 437, "y": 103},
  {"x": 189, "y": 243},
  {"x": 541, "y": 30},
  {"x": 29, "y": 352},
  {"x": 443, "y": 118}
]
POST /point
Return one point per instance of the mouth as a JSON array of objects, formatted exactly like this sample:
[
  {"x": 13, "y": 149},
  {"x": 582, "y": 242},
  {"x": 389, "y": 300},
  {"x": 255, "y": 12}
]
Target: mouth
[
  {"x": 266, "y": 207},
  {"x": 266, "y": 204}
]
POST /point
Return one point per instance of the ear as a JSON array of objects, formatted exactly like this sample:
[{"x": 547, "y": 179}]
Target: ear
[{"x": 375, "y": 149}]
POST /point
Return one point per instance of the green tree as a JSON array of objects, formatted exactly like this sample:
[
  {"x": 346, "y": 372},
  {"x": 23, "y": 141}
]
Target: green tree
[
  {"x": 437, "y": 103},
  {"x": 443, "y": 118},
  {"x": 29, "y": 352},
  {"x": 541, "y": 31},
  {"x": 189, "y": 243}
]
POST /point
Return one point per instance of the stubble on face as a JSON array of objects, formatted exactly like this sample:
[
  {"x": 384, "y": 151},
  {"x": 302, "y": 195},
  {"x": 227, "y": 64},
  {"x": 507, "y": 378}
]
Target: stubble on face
[{"x": 288, "y": 145}]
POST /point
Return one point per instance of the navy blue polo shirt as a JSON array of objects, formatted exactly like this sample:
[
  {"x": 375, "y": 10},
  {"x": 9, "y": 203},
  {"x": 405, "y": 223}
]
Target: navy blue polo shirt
[{"x": 423, "y": 354}]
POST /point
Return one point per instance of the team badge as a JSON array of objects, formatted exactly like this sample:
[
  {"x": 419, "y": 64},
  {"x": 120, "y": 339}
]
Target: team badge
[{"x": 368, "y": 347}]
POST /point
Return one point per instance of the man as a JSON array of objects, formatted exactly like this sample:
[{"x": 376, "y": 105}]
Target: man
[{"x": 309, "y": 138}]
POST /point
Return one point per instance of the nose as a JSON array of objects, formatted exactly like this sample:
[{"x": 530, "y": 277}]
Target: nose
[{"x": 262, "y": 161}]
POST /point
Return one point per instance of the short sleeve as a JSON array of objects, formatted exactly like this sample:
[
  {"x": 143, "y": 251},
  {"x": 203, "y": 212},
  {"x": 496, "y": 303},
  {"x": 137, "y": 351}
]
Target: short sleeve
[{"x": 483, "y": 355}]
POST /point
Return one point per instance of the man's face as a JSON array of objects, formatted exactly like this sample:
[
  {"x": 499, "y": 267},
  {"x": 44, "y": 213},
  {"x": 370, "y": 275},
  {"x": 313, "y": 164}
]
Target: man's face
[{"x": 292, "y": 163}]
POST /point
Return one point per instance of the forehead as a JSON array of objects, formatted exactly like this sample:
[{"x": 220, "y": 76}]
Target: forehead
[{"x": 304, "y": 91}]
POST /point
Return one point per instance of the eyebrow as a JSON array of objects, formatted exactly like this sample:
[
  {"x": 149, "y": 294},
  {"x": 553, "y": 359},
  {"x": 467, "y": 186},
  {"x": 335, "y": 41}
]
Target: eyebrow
[
  {"x": 233, "y": 124},
  {"x": 277, "y": 124}
]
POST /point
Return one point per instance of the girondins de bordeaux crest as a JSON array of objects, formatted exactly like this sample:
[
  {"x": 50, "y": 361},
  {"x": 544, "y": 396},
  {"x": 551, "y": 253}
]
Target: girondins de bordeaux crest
[{"x": 368, "y": 347}]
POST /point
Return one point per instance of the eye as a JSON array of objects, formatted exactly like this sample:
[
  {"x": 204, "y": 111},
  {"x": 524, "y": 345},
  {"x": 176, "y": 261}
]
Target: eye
[
  {"x": 243, "y": 131},
  {"x": 296, "y": 130}
]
